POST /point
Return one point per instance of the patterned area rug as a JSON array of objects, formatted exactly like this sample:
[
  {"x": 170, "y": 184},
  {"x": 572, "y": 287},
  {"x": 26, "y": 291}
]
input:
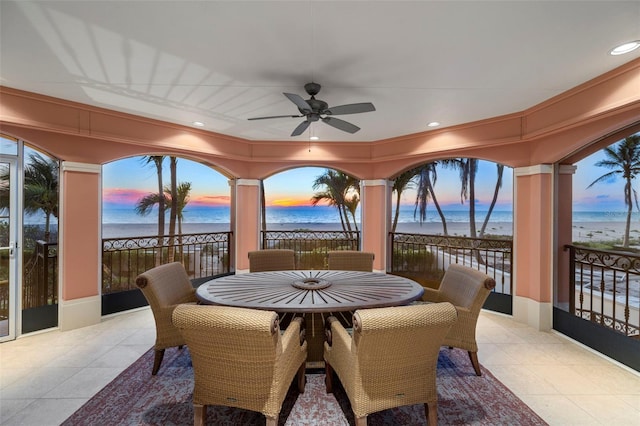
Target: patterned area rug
[{"x": 137, "y": 398}]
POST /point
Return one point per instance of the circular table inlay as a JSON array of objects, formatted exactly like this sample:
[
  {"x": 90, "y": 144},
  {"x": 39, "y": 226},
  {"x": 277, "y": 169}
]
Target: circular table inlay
[
  {"x": 310, "y": 291},
  {"x": 311, "y": 284}
]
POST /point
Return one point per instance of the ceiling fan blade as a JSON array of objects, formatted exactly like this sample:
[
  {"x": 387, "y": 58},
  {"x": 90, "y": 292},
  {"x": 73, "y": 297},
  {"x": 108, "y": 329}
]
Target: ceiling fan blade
[
  {"x": 301, "y": 128},
  {"x": 341, "y": 124},
  {"x": 275, "y": 116},
  {"x": 350, "y": 109},
  {"x": 300, "y": 103}
]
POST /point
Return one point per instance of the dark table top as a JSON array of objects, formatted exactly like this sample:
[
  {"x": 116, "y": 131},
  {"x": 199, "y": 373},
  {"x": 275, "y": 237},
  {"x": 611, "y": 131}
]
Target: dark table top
[{"x": 310, "y": 291}]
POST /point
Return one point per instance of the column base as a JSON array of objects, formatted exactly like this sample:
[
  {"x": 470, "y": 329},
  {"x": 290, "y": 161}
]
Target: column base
[
  {"x": 79, "y": 313},
  {"x": 538, "y": 315}
]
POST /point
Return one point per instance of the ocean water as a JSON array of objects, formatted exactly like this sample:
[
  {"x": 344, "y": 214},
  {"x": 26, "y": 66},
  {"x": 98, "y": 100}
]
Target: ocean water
[
  {"x": 279, "y": 215},
  {"x": 123, "y": 222},
  {"x": 326, "y": 214}
]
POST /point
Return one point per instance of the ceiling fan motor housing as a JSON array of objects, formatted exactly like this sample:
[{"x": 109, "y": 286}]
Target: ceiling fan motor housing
[
  {"x": 315, "y": 110},
  {"x": 312, "y": 88},
  {"x": 317, "y": 106}
]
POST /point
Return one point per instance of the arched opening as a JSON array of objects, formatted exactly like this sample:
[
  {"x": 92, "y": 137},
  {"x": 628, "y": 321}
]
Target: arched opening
[
  {"x": 142, "y": 227},
  {"x": 455, "y": 210},
  {"x": 311, "y": 210},
  {"x": 597, "y": 297}
]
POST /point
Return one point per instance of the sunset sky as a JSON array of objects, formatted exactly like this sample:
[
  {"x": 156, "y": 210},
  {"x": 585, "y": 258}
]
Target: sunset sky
[{"x": 126, "y": 181}]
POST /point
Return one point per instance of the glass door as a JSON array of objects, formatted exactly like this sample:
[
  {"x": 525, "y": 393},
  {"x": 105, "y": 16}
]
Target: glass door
[{"x": 8, "y": 247}]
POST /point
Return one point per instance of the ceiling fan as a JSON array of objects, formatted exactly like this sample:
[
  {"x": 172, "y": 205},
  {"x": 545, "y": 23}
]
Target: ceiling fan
[{"x": 315, "y": 109}]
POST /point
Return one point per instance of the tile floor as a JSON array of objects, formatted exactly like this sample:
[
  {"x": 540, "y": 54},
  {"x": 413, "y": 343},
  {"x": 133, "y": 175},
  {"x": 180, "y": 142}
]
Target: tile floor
[{"x": 45, "y": 377}]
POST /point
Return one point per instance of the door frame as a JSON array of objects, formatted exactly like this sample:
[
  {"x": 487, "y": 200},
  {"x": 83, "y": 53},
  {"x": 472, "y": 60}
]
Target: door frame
[{"x": 15, "y": 262}]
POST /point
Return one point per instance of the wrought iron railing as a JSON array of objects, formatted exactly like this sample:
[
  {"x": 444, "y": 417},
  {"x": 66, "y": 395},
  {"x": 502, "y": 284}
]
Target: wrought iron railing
[
  {"x": 311, "y": 247},
  {"x": 426, "y": 257},
  {"x": 123, "y": 259},
  {"x": 604, "y": 288},
  {"x": 40, "y": 285}
]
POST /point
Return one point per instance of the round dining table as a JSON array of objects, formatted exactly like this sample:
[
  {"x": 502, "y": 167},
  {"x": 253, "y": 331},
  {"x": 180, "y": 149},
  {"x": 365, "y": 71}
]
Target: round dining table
[{"x": 310, "y": 291}]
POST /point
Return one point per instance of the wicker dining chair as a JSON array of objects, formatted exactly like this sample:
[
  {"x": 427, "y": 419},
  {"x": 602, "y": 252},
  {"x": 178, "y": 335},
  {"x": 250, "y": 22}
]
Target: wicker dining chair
[
  {"x": 391, "y": 359},
  {"x": 272, "y": 260},
  {"x": 350, "y": 260},
  {"x": 240, "y": 358},
  {"x": 165, "y": 287},
  {"x": 467, "y": 289}
]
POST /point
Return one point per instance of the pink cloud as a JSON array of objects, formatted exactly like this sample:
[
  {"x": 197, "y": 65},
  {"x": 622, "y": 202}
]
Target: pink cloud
[
  {"x": 210, "y": 200},
  {"x": 122, "y": 196}
]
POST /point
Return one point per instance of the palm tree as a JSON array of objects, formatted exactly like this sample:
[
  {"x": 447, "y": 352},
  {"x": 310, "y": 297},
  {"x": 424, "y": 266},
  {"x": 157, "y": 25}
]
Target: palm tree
[
  {"x": 336, "y": 188},
  {"x": 402, "y": 182},
  {"x": 496, "y": 190},
  {"x": 183, "y": 192},
  {"x": 427, "y": 177},
  {"x": 157, "y": 160},
  {"x": 623, "y": 159},
  {"x": 41, "y": 187},
  {"x": 173, "y": 212},
  {"x": 472, "y": 171}
]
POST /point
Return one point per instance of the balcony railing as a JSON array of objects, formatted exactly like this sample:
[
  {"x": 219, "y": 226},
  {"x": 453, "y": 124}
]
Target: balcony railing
[
  {"x": 311, "y": 247},
  {"x": 604, "y": 288},
  {"x": 426, "y": 257},
  {"x": 123, "y": 259},
  {"x": 40, "y": 286}
]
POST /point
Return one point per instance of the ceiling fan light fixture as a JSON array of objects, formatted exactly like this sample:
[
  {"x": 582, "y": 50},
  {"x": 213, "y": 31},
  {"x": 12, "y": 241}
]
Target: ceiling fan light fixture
[
  {"x": 198, "y": 123},
  {"x": 318, "y": 110},
  {"x": 433, "y": 124},
  {"x": 625, "y": 48},
  {"x": 314, "y": 138}
]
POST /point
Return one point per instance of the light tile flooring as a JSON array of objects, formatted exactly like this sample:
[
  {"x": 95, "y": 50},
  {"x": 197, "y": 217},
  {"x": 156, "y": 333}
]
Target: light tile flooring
[{"x": 45, "y": 377}]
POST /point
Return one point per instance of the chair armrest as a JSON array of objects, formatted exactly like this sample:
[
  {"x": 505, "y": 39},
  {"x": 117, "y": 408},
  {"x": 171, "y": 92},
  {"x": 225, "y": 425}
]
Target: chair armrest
[
  {"x": 191, "y": 297},
  {"x": 294, "y": 333},
  {"x": 431, "y": 295},
  {"x": 337, "y": 337},
  {"x": 464, "y": 312}
]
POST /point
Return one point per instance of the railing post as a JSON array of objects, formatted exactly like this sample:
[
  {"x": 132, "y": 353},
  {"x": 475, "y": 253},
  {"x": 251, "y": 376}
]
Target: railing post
[
  {"x": 43, "y": 258},
  {"x": 572, "y": 279}
]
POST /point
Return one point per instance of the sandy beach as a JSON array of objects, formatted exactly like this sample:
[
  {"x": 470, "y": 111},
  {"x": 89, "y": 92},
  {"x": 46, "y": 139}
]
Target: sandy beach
[{"x": 582, "y": 231}]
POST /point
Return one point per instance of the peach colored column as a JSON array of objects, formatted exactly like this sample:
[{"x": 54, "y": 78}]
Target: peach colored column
[
  {"x": 564, "y": 229},
  {"x": 80, "y": 250},
  {"x": 247, "y": 221},
  {"x": 233, "y": 208},
  {"x": 375, "y": 208},
  {"x": 533, "y": 246}
]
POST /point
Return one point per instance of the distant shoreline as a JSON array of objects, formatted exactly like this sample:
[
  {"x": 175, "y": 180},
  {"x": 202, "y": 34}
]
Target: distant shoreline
[{"x": 581, "y": 231}]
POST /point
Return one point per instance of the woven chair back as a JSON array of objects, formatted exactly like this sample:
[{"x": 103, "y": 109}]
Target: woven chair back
[
  {"x": 350, "y": 260},
  {"x": 272, "y": 260},
  {"x": 466, "y": 287},
  {"x": 233, "y": 351}
]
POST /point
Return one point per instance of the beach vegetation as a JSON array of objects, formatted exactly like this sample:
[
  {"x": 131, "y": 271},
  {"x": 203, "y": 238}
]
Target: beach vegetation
[
  {"x": 423, "y": 178},
  {"x": 623, "y": 160},
  {"x": 402, "y": 182},
  {"x": 172, "y": 197},
  {"x": 156, "y": 161},
  {"x": 41, "y": 188},
  {"x": 340, "y": 191},
  {"x": 419, "y": 265},
  {"x": 427, "y": 177}
]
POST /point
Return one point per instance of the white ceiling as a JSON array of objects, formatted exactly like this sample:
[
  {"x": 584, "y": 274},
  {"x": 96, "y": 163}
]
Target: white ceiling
[{"x": 221, "y": 62}]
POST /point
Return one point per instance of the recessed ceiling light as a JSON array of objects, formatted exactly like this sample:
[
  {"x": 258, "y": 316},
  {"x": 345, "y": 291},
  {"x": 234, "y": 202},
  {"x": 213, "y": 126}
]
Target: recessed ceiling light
[
  {"x": 198, "y": 123},
  {"x": 625, "y": 48},
  {"x": 433, "y": 124},
  {"x": 314, "y": 138}
]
